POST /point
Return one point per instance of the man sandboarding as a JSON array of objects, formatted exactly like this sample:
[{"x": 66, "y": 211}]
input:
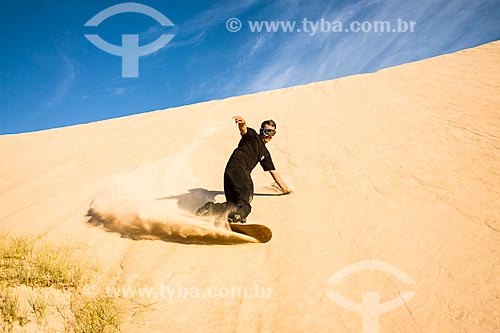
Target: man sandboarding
[{"x": 238, "y": 185}]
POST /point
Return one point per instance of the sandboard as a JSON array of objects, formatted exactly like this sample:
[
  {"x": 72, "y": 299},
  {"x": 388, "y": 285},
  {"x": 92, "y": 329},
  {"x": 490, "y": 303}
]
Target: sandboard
[{"x": 258, "y": 231}]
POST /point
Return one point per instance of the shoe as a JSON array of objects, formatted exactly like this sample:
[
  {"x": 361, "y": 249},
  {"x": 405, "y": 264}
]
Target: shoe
[
  {"x": 235, "y": 218},
  {"x": 205, "y": 210}
]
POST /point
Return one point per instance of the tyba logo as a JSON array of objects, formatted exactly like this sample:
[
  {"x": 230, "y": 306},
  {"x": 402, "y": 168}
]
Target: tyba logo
[
  {"x": 129, "y": 51},
  {"x": 371, "y": 308}
]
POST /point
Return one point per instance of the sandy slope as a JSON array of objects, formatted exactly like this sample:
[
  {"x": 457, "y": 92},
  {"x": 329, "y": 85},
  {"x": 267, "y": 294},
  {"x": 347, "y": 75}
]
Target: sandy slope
[{"x": 401, "y": 166}]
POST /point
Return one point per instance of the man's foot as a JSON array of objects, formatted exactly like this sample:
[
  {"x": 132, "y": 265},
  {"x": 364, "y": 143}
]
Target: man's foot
[
  {"x": 206, "y": 209},
  {"x": 235, "y": 218}
]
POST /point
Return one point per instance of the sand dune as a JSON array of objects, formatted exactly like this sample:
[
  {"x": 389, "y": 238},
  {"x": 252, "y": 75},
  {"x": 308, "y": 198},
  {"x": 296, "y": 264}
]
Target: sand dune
[{"x": 395, "y": 172}]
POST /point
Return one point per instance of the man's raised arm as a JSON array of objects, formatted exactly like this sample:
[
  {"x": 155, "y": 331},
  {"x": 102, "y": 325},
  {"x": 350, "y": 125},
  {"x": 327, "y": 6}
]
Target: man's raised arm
[{"x": 241, "y": 124}]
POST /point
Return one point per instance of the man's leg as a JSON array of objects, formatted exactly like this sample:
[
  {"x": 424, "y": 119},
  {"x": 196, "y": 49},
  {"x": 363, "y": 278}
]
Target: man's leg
[
  {"x": 212, "y": 209},
  {"x": 221, "y": 209},
  {"x": 229, "y": 191},
  {"x": 238, "y": 188}
]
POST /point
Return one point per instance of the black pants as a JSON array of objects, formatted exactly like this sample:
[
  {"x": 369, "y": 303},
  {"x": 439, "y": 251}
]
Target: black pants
[{"x": 238, "y": 189}]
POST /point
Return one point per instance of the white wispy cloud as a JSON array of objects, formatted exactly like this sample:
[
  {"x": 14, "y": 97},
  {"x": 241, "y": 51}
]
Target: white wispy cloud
[
  {"x": 66, "y": 80},
  {"x": 118, "y": 91},
  {"x": 296, "y": 58},
  {"x": 194, "y": 30},
  {"x": 254, "y": 47},
  {"x": 217, "y": 14}
]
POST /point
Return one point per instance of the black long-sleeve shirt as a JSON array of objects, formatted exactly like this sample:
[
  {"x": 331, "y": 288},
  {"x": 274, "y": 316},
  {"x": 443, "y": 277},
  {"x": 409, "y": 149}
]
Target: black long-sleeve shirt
[{"x": 250, "y": 151}]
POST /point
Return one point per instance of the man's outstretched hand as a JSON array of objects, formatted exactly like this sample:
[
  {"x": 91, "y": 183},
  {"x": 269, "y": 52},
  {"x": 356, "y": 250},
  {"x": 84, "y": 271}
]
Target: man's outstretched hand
[
  {"x": 241, "y": 124},
  {"x": 239, "y": 120},
  {"x": 280, "y": 182}
]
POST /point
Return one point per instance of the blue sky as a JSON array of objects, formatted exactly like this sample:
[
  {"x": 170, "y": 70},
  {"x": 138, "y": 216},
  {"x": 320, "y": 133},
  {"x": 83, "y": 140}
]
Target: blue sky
[{"x": 52, "y": 76}]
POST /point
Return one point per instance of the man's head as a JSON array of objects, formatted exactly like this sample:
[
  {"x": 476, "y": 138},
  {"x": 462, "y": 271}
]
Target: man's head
[{"x": 267, "y": 130}]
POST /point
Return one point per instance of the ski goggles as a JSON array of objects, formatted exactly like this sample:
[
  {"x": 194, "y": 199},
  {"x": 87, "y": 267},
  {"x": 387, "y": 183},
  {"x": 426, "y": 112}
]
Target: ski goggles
[{"x": 268, "y": 131}]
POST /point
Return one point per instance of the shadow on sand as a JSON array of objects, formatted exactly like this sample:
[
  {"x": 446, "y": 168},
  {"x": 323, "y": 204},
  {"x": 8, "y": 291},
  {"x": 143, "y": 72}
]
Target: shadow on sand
[{"x": 197, "y": 197}]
